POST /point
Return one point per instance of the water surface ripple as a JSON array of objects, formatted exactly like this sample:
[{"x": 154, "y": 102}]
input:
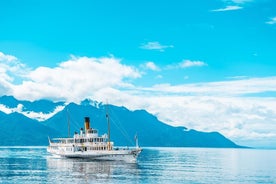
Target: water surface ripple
[{"x": 155, "y": 165}]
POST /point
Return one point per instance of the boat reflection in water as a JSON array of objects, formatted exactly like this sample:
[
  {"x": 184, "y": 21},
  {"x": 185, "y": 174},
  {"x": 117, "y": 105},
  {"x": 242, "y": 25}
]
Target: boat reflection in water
[{"x": 86, "y": 170}]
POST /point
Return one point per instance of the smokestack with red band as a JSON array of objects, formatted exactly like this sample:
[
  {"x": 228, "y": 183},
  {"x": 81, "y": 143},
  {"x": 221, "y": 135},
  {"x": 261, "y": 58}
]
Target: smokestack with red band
[{"x": 86, "y": 123}]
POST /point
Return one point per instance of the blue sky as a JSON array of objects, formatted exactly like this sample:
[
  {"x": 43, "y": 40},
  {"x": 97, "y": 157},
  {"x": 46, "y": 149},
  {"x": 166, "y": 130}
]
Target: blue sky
[{"x": 204, "y": 64}]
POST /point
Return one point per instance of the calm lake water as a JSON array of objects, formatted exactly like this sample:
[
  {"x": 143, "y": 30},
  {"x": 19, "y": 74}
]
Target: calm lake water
[{"x": 155, "y": 165}]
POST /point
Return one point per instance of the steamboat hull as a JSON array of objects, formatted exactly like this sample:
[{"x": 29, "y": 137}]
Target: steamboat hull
[{"x": 128, "y": 156}]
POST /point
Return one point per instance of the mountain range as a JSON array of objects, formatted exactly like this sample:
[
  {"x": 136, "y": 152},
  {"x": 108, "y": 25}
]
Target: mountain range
[{"x": 25, "y": 123}]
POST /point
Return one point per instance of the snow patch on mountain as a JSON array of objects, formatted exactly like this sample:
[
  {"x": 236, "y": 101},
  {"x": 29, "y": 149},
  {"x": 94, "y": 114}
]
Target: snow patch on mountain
[
  {"x": 91, "y": 102},
  {"x": 39, "y": 116}
]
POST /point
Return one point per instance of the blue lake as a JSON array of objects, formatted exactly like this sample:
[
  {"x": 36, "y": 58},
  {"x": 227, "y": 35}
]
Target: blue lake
[{"x": 155, "y": 165}]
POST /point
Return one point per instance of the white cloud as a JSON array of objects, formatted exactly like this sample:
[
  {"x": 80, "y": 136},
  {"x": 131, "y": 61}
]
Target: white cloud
[
  {"x": 155, "y": 46},
  {"x": 6, "y": 57},
  {"x": 186, "y": 77},
  {"x": 272, "y": 21},
  {"x": 75, "y": 79},
  {"x": 222, "y": 114},
  {"x": 228, "y": 8},
  {"x": 241, "y": 1},
  {"x": 223, "y": 88},
  {"x": 9, "y": 63},
  {"x": 237, "y": 1},
  {"x": 10, "y": 69},
  {"x": 189, "y": 63},
  {"x": 238, "y": 77},
  {"x": 244, "y": 120},
  {"x": 5, "y": 109},
  {"x": 232, "y": 5},
  {"x": 186, "y": 64},
  {"x": 213, "y": 106},
  {"x": 151, "y": 66},
  {"x": 159, "y": 77}
]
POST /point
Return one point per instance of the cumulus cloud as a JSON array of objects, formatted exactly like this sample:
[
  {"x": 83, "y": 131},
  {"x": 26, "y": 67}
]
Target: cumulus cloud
[
  {"x": 228, "y": 8},
  {"x": 151, "y": 66},
  {"x": 272, "y": 21},
  {"x": 9, "y": 63},
  {"x": 72, "y": 80},
  {"x": 6, "y": 57},
  {"x": 10, "y": 70},
  {"x": 155, "y": 46}
]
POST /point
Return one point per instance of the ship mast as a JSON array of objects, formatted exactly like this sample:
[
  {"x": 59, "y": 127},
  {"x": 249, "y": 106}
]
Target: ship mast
[
  {"x": 108, "y": 127},
  {"x": 68, "y": 123}
]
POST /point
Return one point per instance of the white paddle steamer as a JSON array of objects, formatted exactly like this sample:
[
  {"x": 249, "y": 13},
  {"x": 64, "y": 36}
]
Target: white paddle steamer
[{"x": 88, "y": 144}]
